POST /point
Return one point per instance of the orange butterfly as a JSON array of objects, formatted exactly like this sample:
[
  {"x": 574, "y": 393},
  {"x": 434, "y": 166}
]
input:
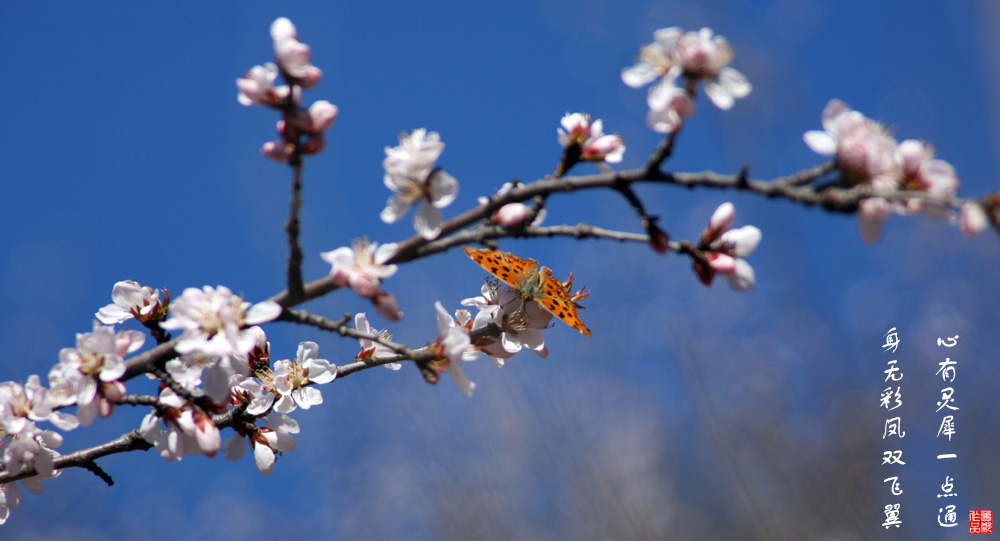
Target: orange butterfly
[{"x": 533, "y": 283}]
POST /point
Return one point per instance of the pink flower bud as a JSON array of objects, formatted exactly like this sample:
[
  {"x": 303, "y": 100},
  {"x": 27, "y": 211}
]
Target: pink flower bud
[
  {"x": 293, "y": 57},
  {"x": 279, "y": 151},
  {"x": 282, "y": 28},
  {"x": 511, "y": 214},
  {"x": 386, "y": 305},
  {"x": 972, "y": 219},
  {"x": 720, "y": 221},
  {"x": 322, "y": 114},
  {"x": 311, "y": 77},
  {"x": 723, "y": 216},
  {"x": 607, "y": 148},
  {"x": 913, "y": 154},
  {"x": 721, "y": 262}
]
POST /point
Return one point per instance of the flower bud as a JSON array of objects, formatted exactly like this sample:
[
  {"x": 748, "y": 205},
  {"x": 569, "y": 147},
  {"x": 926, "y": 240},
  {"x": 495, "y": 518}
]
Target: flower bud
[{"x": 386, "y": 305}]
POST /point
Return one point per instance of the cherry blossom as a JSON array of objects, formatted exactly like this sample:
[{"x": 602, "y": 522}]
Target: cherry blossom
[
  {"x": 520, "y": 324},
  {"x": 10, "y": 498},
  {"x": 371, "y": 349},
  {"x": 451, "y": 345},
  {"x": 294, "y": 379},
  {"x": 361, "y": 266},
  {"x": 129, "y": 299},
  {"x": 578, "y": 131},
  {"x": 705, "y": 56},
  {"x": 694, "y": 55},
  {"x": 676, "y": 106},
  {"x": 213, "y": 321},
  {"x": 413, "y": 178},
  {"x": 22, "y": 405},
  {"x": 86, "y": 375},
  {"x": 216, "y": 380},
  {"x": 417, "y": 153},
  {"x": 257, "y": 87},
  {"x": 866, "y": 154},
  {"x": 275, "y": 437},
  {"x": 30, "y": 449},
  {"x": 177, "y": 428},
  {"x": 863, "y": 149},
  {"x": 265, "y": 441}
]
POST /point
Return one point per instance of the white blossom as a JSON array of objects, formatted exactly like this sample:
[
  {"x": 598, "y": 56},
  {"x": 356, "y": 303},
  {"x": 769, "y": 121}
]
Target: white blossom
[
  {"x": 411, "y": 174},
  {"x": 362, "y": 266},
  {"x": 213, "y": 319}
]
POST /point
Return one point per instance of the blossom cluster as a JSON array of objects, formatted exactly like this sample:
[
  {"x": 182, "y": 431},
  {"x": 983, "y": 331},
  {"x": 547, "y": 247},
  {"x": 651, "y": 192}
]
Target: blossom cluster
[
  {"x": 219, "y": 350},
  {"x": 86, "y": 376},
  {"x": 866, "y": 154},
  {"x": 725, "y": 250},
  {"x": 301, "y": 129}
]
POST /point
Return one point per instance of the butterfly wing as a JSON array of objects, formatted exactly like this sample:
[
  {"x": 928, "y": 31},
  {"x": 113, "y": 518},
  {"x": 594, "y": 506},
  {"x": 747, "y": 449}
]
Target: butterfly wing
[
  {"x": 508, "y": 268},
  {"x": 555, "y": 299}
]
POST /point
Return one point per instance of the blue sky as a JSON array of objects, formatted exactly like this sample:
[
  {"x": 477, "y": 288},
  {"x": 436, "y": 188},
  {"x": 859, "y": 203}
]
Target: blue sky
[{"x": 126, "y": 156}]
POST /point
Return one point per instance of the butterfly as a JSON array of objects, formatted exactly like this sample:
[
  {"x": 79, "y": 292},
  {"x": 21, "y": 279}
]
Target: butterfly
[{"x": 533, "y": 283}]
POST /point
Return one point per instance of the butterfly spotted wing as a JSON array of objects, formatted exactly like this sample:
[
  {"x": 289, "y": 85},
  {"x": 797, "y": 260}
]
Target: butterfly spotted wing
[{"x": 533, "y": 283}]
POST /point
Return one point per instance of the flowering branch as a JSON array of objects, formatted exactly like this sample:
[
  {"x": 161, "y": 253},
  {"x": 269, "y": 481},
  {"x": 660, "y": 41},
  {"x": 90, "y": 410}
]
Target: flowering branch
[{"x": 218, "y": 372}]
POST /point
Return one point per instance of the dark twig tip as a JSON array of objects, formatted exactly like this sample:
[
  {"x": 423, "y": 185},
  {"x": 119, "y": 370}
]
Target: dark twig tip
[{"x": 93, "y": 468}]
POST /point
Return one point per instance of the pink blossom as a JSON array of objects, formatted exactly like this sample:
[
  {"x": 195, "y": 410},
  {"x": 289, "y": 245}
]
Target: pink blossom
[
  {"x": 864, "y": 150},
  {"x": 922, "y": 172},
  {"x": 451, "y": 344},
  {"x": 415, "y": 155},
  {"x": 257, "y": 87},
  {"x": 362, "y": 266},
  {"x": 577, "y": 129},
  {"x": 695, "y": 55},
  {"x": 520, "y": 324},
  {"x": 676, "y": 106},
  {"x": 371, "y": 349},
  {"x": 413, "y": 178},
  {"x": 129, "y": 299},
  {"x": 704, "y": 56},
  {"x": 214, "y": 321}
]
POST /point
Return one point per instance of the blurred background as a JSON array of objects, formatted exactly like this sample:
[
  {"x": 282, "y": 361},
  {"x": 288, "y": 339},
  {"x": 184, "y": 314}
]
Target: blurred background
[{"x": 692, "y": 413}]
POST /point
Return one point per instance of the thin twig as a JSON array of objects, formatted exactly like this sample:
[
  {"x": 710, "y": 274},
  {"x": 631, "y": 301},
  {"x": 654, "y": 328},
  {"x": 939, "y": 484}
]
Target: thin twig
[{"x": 294, "y": 271}]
